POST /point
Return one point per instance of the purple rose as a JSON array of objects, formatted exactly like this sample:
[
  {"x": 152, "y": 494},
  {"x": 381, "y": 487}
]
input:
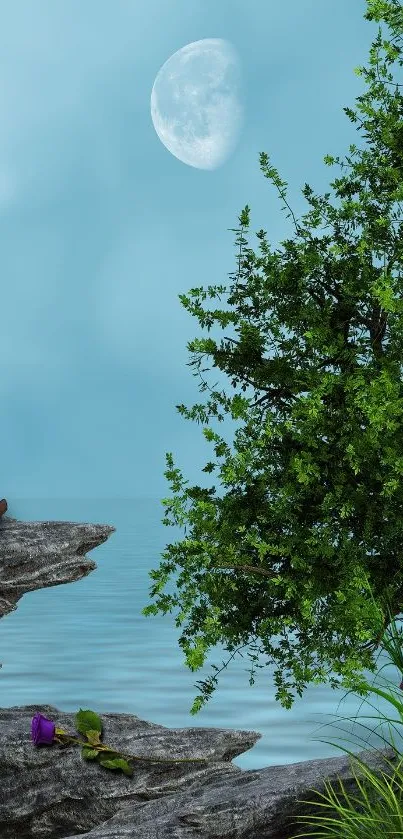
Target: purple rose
[{"x": 42, "y": 730}]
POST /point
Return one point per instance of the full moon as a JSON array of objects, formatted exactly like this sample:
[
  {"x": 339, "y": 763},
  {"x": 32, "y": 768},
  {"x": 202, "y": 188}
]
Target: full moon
[{"x": 195, "y": 103}]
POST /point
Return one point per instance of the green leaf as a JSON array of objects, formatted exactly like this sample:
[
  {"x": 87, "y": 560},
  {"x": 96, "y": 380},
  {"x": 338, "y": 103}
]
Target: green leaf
[
  {"x": 93, "y": 737},
  {"x": 117, "y": 763},
  {"x": 88, "y": 721},
  {"x": 89, "y": 754}
]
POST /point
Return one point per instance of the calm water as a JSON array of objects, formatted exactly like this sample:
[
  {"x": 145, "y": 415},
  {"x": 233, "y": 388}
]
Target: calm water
[{"x": 86, "y": 644}]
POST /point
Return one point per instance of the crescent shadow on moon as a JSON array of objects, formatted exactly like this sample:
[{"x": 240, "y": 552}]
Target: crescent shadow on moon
[{"x": 195, "y": 103}]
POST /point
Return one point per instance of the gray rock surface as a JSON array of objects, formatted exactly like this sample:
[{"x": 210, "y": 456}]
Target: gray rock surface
[
  {"x": 38, "y": 554},
  {"x": 50, "y": 792}
]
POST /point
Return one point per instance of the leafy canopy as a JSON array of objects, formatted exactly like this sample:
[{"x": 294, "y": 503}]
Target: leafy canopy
[{"x": 308, "y": 537}]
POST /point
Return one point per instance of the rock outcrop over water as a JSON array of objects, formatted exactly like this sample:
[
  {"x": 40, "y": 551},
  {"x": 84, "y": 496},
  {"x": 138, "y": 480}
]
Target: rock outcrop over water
[
  {"x": 49, "y": 792},
  {"x": 38, "y": 554}
]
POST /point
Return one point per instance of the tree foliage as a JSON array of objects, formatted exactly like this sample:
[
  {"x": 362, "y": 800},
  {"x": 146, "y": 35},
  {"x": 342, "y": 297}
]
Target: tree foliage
[{"x": 308, "y": 538}]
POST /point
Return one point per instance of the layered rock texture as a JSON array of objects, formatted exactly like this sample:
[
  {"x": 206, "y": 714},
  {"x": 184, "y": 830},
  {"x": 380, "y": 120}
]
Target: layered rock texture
[
  {"x": 50, "y": 792},
  {"x": 38, "y": 554},
  {"x": 47, "y": 791}
]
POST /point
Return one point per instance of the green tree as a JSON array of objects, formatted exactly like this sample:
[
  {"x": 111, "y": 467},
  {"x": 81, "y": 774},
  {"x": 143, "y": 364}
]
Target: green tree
[{"x": 308, "y": 538}]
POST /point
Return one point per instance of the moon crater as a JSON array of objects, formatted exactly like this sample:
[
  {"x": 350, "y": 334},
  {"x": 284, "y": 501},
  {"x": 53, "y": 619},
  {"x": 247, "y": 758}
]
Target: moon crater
[{"x": 195, "y": 103}]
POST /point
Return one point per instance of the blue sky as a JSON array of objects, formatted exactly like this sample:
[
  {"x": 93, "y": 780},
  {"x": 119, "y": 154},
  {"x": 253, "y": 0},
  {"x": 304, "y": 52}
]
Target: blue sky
[{"x": 102, "y": 227}]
